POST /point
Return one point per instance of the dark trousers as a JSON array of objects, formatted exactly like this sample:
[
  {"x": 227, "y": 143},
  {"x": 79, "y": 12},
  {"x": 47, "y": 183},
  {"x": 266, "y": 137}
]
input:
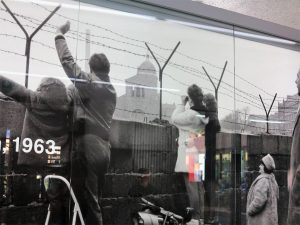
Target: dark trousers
[
  {"x": 90, "y": 162},
  {"x": 59, "y": 198},
  {"x": 195, "y": 192}
]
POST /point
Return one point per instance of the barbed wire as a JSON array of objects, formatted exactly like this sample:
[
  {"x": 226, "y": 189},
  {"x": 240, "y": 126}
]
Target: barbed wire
[
  {"x": 159, "y": 47},
  {"x": 43, "y": 61},
  {"x": 33, "y": 58},
  {"x": 30, "y": 19},
  {"x": 22, "y": 38},
  {"x": 103, "y": 28},
  {"x": 225, "y": 94},
  {"x": 187, "y": 69},
  {"x": 58, "y": 65}
]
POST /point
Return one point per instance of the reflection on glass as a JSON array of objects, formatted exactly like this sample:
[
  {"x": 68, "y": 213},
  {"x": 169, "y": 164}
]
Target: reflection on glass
[{"x": 139, "y": 138}]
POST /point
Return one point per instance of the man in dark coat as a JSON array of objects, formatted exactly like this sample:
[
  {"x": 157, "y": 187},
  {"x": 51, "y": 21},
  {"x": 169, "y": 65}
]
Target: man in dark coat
[
  {"x": 97, "y": 101},
  {"x": 210, "y": 184},
  {"x": 294, "y": 171}
]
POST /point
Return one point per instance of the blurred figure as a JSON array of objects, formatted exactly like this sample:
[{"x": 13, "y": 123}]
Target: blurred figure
[
  {"x": 94, "y": 99},
  {"x": 294, "y": 171},
  {"x": 263, "y": 195},
  {"x": 210, "y": 184},
  {"x": 46, "y": 119},
  {"x": 142, "y": 187},
  {"x": 191, "y": 123}
]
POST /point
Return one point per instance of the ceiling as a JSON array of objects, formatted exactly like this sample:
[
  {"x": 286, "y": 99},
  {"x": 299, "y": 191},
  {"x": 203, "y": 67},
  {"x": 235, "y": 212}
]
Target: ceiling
[{"x": 283, "y": 12}]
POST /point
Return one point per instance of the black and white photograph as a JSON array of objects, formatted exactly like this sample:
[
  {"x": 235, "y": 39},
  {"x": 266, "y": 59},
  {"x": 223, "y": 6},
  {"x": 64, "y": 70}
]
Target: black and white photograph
[{"x": 148, "y": 112}]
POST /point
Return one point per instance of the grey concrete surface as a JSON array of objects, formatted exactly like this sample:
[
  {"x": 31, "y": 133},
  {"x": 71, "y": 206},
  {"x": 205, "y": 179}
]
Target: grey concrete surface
[{"x": 283, "y": 12}]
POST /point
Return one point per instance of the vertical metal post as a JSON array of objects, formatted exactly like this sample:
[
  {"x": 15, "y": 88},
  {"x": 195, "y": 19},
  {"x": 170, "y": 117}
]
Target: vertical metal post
[
  {"x": 28, "y": 38},
  {"x": 267, "y": 113},
  {"x": 161, "y": 69},
  {"x": 160, "y": 93},
  {"x": 87, "y": 48}
]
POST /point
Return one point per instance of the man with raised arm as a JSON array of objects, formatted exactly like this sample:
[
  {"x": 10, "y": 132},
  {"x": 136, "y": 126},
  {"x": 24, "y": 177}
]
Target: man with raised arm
[{"x": 95, "y": 101}]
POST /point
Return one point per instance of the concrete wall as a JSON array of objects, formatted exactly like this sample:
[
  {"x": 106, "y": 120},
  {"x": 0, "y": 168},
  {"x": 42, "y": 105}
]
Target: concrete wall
[{"x": 136, "y": 145}]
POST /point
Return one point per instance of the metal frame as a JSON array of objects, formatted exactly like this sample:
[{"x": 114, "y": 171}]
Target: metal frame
[
  {"x": 224, "y": 16},
  {"x": 76, "y": 205},
  {"x": 196, "y": 12},
  {"x": 28, "y": 37}
]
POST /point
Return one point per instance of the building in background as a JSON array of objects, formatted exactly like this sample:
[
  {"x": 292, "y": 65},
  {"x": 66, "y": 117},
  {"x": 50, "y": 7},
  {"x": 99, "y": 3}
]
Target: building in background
[
  {"x": 284, "y": 118},
  {"x": 141, "y": 99}
]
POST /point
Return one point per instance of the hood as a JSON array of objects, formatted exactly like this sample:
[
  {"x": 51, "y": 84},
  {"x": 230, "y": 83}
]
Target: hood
[{"x": 53, "y": 93}]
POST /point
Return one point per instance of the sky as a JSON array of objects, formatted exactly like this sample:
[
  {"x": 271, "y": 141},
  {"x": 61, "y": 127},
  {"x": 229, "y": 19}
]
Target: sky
[{"x": 253, "y": 68}]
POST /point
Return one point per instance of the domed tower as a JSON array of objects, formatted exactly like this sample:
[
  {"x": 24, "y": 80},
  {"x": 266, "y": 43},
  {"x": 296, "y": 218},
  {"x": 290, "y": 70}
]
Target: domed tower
[
  {"x": 144, "y": 83},
  {"x": 141, "y": 100}
]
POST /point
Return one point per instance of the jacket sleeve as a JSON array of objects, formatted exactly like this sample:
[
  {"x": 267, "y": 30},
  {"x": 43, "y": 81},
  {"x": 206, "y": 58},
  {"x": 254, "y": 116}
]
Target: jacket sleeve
[
  {"x": 260, "y": 197},
  {"x": 185, "y": 118},
  {"x": 72, "y": 70},
  {"x": 16, "y": 91}
]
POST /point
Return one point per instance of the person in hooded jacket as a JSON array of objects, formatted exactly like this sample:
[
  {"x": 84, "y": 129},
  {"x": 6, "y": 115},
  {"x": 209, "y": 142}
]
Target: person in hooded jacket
[
  {"x": 263, "y": 195},
  {"x": 46, "y": 120},
  {"x": 191, "y": 124}
]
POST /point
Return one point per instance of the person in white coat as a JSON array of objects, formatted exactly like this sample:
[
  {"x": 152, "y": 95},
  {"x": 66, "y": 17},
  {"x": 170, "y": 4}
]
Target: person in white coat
[
  {"x": 263, "y": 195},
  {"x": 191, "y": 123}
]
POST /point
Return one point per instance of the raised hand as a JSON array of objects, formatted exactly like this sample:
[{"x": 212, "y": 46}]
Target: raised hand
[{"x": 64, "y": 28}]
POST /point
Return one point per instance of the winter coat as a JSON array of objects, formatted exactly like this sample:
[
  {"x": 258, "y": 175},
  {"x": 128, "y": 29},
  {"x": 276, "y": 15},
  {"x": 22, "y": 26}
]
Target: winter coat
[
  {"x": 262, "y": 201},
  {"x": 187, "y": 120},
  {"x": 97, "y": 95},
  {"x": 294, "y": 197},
  {"x": 46, "y": 121}
]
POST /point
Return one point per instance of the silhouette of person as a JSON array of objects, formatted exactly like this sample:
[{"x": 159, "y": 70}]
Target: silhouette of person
[
  {"x": 263, "y": 195},
  {"x": 191, "y": 123}
]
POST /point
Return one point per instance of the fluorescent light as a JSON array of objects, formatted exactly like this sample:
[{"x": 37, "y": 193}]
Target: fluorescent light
[
  {"x": 202, "y": 26},
  {"x": 265, "y": 121},
  {"x": 63, "y": 77},
  {"x": 88, "y": 8}
]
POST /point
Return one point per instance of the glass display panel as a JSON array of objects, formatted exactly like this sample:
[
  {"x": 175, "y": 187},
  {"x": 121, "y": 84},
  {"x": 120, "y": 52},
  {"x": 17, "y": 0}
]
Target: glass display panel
[
  {"x": 160, "y": 148},
  {"x": 267, "y": 103},
  {"x": 36, "y": 112},
  {"x": 138, "y": 114}
]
